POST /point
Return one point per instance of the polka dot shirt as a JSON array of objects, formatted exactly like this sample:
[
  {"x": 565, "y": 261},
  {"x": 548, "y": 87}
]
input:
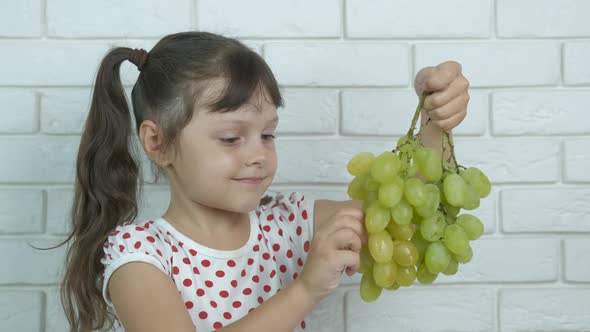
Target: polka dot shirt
[{"x": 219, "y": 287}]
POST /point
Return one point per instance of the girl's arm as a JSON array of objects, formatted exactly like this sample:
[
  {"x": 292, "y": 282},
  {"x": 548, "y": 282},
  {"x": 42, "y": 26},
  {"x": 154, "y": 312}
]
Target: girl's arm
[{"x": 146, "y": 300}]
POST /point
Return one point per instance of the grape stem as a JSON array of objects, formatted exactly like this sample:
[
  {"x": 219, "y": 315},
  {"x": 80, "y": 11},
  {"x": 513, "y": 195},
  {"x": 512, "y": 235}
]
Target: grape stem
[{"x": 452, "y": 158}]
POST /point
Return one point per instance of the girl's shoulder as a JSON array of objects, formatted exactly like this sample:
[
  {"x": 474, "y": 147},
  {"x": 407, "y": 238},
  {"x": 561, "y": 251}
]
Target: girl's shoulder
[{"x": 139, "y": 236}]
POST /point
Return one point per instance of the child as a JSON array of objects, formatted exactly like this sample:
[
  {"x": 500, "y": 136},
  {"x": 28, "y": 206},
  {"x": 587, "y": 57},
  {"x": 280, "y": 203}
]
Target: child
[{"x": 205, "y": 110}]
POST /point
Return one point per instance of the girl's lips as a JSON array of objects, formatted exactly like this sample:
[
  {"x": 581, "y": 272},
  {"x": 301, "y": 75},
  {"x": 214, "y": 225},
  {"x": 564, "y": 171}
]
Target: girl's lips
[{"x": 251, "y": 180}]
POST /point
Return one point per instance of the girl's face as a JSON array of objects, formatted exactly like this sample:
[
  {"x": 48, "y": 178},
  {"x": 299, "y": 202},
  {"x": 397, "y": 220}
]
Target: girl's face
[{"x": 228, "y": 160}]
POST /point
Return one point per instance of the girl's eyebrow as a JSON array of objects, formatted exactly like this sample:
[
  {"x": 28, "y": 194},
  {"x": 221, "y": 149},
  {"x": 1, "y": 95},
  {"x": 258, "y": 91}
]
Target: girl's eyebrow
[{"x": 272, "y": 121}]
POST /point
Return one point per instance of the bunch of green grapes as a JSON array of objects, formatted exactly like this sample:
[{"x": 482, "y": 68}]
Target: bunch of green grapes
[{"x": 412, "y": 201}]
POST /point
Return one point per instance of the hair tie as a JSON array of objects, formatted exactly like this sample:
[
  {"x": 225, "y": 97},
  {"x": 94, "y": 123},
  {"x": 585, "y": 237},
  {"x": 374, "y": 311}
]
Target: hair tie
[{"x": 138, "y": 57}]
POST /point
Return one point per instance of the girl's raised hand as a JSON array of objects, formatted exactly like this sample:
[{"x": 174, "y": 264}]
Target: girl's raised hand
[
  {"x": 335, "y": 249},
  {"x": 447, "y": 89}
]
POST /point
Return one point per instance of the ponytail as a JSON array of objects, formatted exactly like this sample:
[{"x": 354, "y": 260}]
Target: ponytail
[{"x": 107, "y": 186}]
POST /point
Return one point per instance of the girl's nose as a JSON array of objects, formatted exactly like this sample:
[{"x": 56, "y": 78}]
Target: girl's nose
[{"x": 256, "y": 153}]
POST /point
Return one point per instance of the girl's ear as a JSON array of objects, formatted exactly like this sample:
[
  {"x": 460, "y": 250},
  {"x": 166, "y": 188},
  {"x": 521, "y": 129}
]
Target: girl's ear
[{"x": 151, "y": 139}]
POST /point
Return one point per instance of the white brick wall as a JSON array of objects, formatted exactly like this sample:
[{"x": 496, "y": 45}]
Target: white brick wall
[{"x": 346, "y": 68}]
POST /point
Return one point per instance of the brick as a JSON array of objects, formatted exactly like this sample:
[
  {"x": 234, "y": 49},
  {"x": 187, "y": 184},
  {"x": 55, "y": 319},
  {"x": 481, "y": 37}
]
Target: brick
[
  {"x": 19, "y": 310},
  {"x": 549, "y": 112},
  {"x": 544, "y": 309},
  {"x": 575, "y": 269},
  {"x": 75, "y": 61},
  {"x": 576, "y": 69},
  {"x": 545, "y": 18},
  {"x": 134, "y": 18},
  {"x": 20, "y": 18},
  {"x": 521, "y": 260},
  {"x": 511, "y": 159},
  {"x": 546, "y": 209},
  {"x": 16, "y": 219},
  {"x": 55, "y": 320},
  {"x": 309, "y": 111},
  {"x": 320, "y": 160},
  {"x": 577, "y": 160},
  {"x": 484, "y": 64},
  {"x": 390, "y": 112},
  {"x": 22, "y": 107},
  {"x": 38, "y": 159},
  {"x": 391, "y": 19},
  {"x": 59, "y": 206},
  {"x": 397, "y": 311},
  {"x": 27, "y": 265},
  {"x": 264, "y": 18},
  {"x": 346, "y": 64},
  {"x": 64, "y": 111}
]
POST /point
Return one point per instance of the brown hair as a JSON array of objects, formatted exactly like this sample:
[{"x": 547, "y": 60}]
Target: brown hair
[{"x": 108, "y": 176}]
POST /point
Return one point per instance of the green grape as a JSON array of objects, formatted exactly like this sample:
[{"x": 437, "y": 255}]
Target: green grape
[
  {"x": 465, "y": 257},
  {"x": 420, "y": 244},
  {"x": 456, "y": 239},
  {"x": 402, "y": 213},
  {"x": 406, "y": 275},
  {"x": 472, "y": 226},
  {"x": 370, "y": 184},
  {"x": 391, "y": 193},
  {"x": 369, "y": 199},
  {"x": 366, "y": 260},
  {"x": 384, "y": 273},
  {"x": 475, "y": 177},
  {"x": 437, "y": 257},
  {"x": 421, "y": 154},
  {"x": 405, "y": 253},
  {"x": 451, "y": 210},
  {"x": 432, "y": 201},
  {"x": 381, "y": 246},
  {"x": 452, "y": 268},
  {"x": 424, "y": 276},
  {"x": 385, "y": 167},
  {"x": 393, "y": 287},
  {"x": 429, "y": 164},
  {"x": 356, "y": 189},
  {"x": 454, "y": 190},
  {"x": 369, "y": 290},
  {"x": 433, "y": 227},
  {"x": 400, "y": 232},
  {"x": 376, "y": 218},
  {"x": 471, "y": 198},
  {"x": 414, "y": 192},
  {"x": 360, "y": 164}
]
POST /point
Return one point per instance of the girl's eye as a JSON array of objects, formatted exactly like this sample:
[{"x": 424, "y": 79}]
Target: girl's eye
[
  {"x": 268, "y": 137},
  {"x": 229, "y": 140}
]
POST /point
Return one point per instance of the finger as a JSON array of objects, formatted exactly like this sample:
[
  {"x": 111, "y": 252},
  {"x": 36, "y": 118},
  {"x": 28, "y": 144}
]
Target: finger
[
  {"x": 452, "y": 122},
  {"x": 345, "y": 222},
  {"x": 437, "y": 99},
  {"x": 349, "y": 211},
  {"x": 347, "y": 239},
  {"x": 446, "y": 111},
  {"x": 442, "y": 75},
  {"x": 419, "y": 83},
  {"x": 348, "y": 259}
]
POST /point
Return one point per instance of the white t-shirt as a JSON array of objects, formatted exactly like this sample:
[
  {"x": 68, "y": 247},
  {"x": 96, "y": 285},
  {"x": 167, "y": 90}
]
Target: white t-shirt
[{"x": 219, "y": 287}]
